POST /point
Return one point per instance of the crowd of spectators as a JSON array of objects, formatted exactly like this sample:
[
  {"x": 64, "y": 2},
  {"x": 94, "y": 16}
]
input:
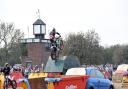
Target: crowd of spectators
[
  {"x": 107, "y": 69},
  {"x": 25, "y": 70}
]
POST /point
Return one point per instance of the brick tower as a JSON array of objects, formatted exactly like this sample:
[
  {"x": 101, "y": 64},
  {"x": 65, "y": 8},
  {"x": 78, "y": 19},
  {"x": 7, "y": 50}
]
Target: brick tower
[{"x": 37, "y": 47}]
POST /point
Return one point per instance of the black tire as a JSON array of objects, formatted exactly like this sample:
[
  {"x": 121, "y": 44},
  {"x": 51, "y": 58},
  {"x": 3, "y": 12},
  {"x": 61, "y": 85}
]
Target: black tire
[
  {"x": 5, "y": 85},
  {"x": 53, "y": 56},
  {"x": 53, "y": 53},
  {"x": 91, "y": 88},
  {"x": 111, "y": 87},
  {"x": 14, "y": 84}
]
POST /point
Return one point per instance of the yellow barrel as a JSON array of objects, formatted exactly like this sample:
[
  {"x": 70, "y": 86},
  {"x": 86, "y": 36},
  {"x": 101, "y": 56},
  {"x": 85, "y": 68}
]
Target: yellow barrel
[
  {"x": 37, "y": 75},
  {"x": 1, "y": 80}
]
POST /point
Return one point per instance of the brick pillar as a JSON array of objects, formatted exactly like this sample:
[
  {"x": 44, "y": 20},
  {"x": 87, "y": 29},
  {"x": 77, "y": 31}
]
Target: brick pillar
[{"x": 37, "y": 53}]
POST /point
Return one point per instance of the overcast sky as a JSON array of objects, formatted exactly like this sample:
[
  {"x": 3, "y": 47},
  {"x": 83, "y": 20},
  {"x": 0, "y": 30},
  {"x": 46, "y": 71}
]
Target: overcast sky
[{"x": 109, "y": 18}]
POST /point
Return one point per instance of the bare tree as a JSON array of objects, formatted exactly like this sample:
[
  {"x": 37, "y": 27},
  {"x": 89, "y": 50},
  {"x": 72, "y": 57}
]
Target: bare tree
[
  {"x": 85, "y": 46},
  {"x": 9, "y": 37},
  {"x": 120, "y": 54}
]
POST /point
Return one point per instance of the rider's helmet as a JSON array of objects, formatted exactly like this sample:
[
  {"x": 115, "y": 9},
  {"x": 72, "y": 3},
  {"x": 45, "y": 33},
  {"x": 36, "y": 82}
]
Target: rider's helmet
[{"x": 6, "y": 64}]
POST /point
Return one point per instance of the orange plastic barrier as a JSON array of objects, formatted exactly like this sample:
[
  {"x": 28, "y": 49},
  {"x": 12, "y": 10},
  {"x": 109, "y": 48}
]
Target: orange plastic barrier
[
  {"x": 24, "y": 83},
  {"x": 69, "y": 82}
]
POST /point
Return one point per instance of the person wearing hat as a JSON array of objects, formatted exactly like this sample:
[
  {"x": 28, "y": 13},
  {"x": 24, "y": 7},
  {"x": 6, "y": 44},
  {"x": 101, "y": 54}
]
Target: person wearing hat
[{"x": 6, "y": 69}]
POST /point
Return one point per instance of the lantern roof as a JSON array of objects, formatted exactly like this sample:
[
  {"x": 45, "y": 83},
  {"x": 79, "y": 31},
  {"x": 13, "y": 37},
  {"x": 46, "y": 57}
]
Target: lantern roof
[{"x": 39, "y": 22}]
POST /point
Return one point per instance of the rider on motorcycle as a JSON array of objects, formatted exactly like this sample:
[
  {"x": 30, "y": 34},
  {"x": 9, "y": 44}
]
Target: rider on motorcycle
[
  {"x": 8, "y": 78},
  {"x": 56, "y": 43}
]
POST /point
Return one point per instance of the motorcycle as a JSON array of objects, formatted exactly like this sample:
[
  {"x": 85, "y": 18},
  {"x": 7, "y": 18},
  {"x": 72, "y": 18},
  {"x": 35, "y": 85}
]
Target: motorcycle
[
  {"x": 9, "y": 82},
  {"x": 56, "y": 47}
]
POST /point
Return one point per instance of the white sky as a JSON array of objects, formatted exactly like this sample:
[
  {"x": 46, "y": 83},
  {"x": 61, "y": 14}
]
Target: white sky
[{"x": 109, "y": 18}]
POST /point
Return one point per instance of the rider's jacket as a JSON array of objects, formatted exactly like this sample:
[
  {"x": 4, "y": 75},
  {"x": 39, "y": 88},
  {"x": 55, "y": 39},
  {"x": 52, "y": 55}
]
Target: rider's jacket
[{"x": 6, "y": 71}]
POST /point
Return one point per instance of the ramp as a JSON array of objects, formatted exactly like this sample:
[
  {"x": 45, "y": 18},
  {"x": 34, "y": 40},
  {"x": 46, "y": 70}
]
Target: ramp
[{"x": 54, "y": 66}]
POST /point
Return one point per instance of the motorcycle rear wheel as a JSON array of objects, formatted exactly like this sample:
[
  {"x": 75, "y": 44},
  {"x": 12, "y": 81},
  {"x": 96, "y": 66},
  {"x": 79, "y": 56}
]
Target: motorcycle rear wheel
[{"x": 14, "y": 84}]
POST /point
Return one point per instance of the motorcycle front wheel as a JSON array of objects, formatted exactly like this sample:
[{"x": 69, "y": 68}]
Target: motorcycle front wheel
[
  {"x": 5, "y": 85},
  {"x": 53, "y": 56}
]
